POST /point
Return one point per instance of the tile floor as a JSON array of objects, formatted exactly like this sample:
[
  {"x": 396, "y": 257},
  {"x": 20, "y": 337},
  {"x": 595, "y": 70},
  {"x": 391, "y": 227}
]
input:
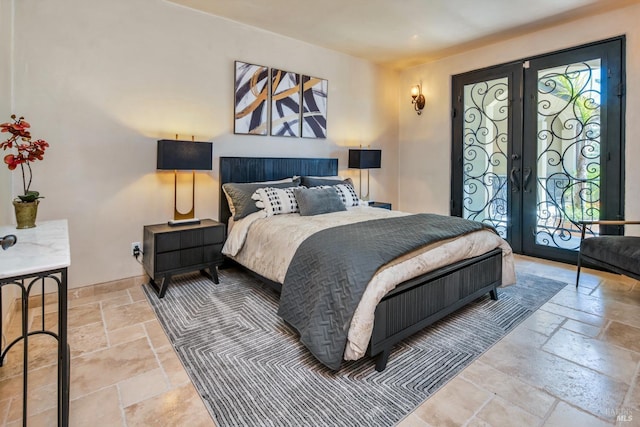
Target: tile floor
[{"x": 575, "y": 362}]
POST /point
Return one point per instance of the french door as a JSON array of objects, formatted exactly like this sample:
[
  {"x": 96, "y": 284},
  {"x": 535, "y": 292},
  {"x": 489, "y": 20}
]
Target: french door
[{"x": 538, "y": 146}]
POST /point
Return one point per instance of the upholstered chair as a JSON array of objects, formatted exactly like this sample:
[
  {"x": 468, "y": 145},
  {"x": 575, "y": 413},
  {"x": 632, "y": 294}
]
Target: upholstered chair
[{"x": 620, "y": 254}]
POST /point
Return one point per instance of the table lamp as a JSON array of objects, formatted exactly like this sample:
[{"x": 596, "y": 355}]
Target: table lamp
[
  {"x": 184, "y": 155},
  {"x": 362, "y": 158}
]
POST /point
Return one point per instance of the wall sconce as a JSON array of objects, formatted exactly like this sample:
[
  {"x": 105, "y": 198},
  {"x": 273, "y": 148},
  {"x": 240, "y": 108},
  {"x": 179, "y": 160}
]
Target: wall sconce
[
  {"x": 184, "y": 155},
  {"x": 417, "y": 98}
]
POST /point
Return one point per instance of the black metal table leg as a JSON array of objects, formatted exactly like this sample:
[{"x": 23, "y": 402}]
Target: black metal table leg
[
  {"x": 64, "y": 356},
  {"x": 25, "y": 353}
]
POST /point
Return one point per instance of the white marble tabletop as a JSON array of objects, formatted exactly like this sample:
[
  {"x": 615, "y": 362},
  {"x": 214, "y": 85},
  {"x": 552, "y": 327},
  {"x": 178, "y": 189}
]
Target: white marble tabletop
[{"x": 44, "y": 247}]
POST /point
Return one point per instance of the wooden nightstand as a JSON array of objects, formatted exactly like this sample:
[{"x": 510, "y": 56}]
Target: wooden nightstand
[
  {"x": 170, "y": 250},
  {"x": 383, "y": 205}
]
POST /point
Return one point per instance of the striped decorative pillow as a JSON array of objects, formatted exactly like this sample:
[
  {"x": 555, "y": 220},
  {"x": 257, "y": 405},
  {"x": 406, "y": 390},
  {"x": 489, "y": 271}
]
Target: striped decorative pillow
[
  {"x": 276, "y": 201},
  {"x": 348, "y": 194}
]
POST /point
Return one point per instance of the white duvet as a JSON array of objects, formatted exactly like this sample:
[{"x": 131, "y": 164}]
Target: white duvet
[{"x": 266, "y": 245}]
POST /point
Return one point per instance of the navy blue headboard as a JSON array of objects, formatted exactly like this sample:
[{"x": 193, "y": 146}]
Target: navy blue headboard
[{"x": 255, "y": 169}]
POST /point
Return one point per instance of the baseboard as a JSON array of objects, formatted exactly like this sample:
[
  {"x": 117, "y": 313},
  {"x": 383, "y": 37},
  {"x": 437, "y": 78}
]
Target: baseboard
[
  {"x": 35, "y": 300},
  {"x": 110, "y": 286}
]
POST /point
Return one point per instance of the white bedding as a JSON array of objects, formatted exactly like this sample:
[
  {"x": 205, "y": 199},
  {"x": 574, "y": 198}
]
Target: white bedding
[{"x": 273, "y": 242}]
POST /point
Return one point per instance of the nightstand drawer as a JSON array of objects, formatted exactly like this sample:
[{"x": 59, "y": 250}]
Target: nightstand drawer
[
  {"x": 167, "y": 261},
  {"x": 214, "y": 235},
  {"x": 213, "y": 253},
  {"x": 191, "y": 239},
  {"x": 188, "y": 239},
  {"x": 166, "y": 242},
  {"x": 187, "y": 257},
  {"x": 191, "y": 256}
]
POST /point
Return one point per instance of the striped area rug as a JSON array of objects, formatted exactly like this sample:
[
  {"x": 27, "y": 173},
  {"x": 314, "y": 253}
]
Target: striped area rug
[{"x": 250, "y": 369}]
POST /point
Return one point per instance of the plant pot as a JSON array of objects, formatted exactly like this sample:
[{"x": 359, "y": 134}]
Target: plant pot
[{"x": 26, "y": 213}]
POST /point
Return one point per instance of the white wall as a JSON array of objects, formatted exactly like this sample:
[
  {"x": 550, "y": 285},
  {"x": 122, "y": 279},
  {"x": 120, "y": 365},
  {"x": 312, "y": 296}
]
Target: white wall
[
  {"x": 425, "y": 142},
  {"x": 103, "y": 80},
  {"x": 6, "y": 11},
  {"x": 9, "y": 293}
]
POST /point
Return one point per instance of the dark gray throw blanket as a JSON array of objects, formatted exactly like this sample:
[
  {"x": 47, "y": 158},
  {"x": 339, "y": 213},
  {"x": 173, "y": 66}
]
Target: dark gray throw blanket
[{"x": 331, "y": 269}]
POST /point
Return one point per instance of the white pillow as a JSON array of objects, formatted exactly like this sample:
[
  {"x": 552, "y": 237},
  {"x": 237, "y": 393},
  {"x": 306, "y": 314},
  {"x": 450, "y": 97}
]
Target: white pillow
[
  {"x": 255, "y": 196},
  {"x": 277, "y": 201},
  {"x": 348, "y": 195}
]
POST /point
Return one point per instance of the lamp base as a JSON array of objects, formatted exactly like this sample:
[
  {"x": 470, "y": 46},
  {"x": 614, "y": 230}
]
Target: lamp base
[{"x": 190, "y": 221}]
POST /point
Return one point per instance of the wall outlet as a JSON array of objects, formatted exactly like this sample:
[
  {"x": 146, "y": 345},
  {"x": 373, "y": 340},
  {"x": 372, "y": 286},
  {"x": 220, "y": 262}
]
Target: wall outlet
[{"x": 136, "y": 249}]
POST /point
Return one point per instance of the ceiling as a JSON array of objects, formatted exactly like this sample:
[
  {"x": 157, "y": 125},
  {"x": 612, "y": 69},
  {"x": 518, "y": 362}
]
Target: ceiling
[{"x": 401, "y": 33}]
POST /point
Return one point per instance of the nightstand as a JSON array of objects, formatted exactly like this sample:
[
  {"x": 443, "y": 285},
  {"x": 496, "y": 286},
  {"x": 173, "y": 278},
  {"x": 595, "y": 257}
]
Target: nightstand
[
  {"x": 383, "y": 205},
  {"x": 170, "y": 250}
]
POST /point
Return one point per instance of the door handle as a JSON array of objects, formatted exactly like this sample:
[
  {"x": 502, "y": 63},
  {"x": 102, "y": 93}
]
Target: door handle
[
  {"x": 527, "y": 176},
  {"x": 513, "y": 176}
]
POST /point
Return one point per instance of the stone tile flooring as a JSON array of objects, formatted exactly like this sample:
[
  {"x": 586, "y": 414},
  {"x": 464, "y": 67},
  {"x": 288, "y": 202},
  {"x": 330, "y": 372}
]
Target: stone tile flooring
[{"x": 575, "y": 362}]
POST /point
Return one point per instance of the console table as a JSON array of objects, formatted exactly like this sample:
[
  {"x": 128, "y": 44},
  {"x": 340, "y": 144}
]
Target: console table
[{"x": 40, "y": 256}]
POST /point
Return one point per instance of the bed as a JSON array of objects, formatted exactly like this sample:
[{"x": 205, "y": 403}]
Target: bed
[{"x": 403, "y": 308}]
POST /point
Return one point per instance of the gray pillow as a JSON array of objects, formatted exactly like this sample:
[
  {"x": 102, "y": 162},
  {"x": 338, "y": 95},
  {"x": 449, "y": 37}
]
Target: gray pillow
[
  {"x": 314, "y": 181},
  {"x": 315, "y": 201},
  {"x": 239, "y": 195}
]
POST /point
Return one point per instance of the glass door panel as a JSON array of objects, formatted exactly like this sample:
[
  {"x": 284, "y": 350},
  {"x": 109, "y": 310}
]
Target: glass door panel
[
  {"x": 573, "y": 149},
  {"x": 484, "y": 152},
  {"x": 568, "y": 167}
]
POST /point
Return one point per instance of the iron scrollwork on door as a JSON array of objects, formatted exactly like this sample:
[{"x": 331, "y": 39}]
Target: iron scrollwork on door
[
  {"x": 486, "y": 109},
  {"x": 568, "y": 153}
]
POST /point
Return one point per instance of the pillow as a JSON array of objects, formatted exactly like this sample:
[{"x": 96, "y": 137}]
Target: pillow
[
  {"x": 277, "y": 201},
  {"x": 315, "y": 201},
  {"x": 239, "y": 195},
  {"x": 316, "y": 181},
  {"x": 347, "y": 194}
]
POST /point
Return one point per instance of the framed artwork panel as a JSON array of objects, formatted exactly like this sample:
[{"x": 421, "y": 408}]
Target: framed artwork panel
[
  {"x": 314, "y": 107},
  {"x": 285, "y": 103},
  {"x": 251, "y": 90}
]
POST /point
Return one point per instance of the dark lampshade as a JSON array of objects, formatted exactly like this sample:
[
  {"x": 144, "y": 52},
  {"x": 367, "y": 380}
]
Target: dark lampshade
[
  {"x": 184, "y": 155},
  {"x": 364, "y": 158}
]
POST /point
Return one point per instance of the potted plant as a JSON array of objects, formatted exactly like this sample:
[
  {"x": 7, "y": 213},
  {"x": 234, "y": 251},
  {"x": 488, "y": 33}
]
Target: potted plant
[{"x": 26, "y": 151}]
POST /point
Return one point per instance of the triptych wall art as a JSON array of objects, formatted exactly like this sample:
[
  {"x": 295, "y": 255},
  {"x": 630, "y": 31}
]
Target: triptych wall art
[{"x": 297, "y": 103}]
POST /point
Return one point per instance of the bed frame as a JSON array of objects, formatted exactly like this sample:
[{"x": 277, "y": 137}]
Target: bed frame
[{"x": 412, "y": 305}]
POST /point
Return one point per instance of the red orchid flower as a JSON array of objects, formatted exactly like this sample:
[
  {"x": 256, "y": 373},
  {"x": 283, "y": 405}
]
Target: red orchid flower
[
  {"x": 18, "y": 127},
  {"x": 13, "y": 161},
  {"x": 27, "y": 151}
]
